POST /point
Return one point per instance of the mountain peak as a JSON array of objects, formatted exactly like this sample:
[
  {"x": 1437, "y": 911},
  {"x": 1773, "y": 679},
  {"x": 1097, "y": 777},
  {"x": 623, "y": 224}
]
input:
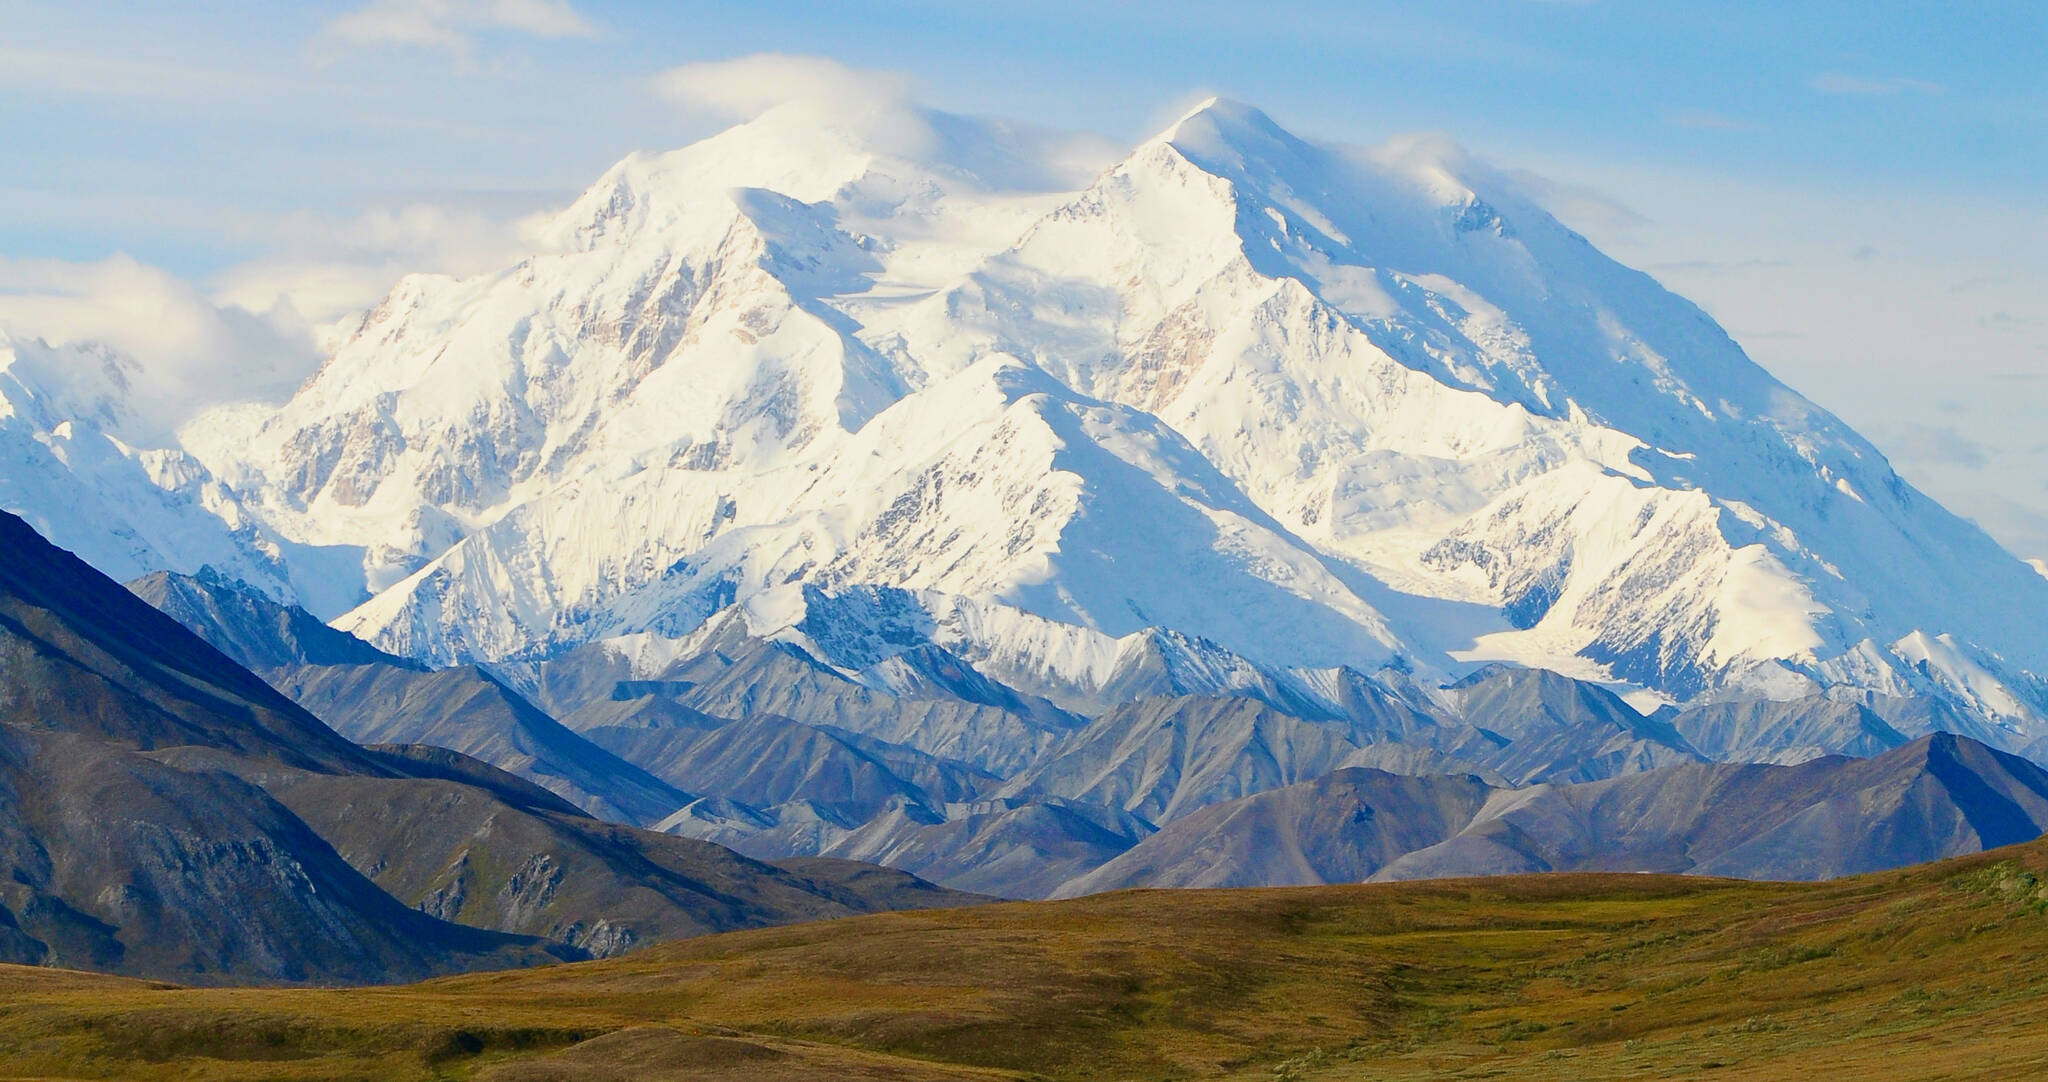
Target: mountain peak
[
  {"x": 1217, "y": 109},
  {"x": 1370, "y": 389},
  {"x": 1222, "y": 132}
]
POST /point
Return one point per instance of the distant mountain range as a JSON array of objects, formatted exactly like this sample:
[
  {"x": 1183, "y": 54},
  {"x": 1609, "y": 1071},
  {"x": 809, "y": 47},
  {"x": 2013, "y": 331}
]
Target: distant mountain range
[
  {"x": 759, "y": 746},
  {"x": 1937, "y": 797},
  {"x": 1258, "y": 512}
]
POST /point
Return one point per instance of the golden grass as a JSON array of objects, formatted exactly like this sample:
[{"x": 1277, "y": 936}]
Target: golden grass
[{"x": 1934, "y": 972}]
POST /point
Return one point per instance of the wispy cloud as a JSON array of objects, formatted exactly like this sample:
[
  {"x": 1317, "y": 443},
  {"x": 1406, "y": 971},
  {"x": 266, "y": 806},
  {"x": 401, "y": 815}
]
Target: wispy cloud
[
  {"x": 1866, "y": 86},
  {"x": 253, "y": 331},
  {"x": 747, "y": 86},
  {"x": 1940, "y": 445},
  {"x": 1709, "y": 120},
  {"x": 1576, "y": 203},
  {"x": 193, "y": 352},
  {"x": 91, "y": 75},
  {"x": 323, "y": 267},
  {"x": 880, "y": 108},
  {"x": 1715, "y": 266},
  {"x": 453, "y": 25}
]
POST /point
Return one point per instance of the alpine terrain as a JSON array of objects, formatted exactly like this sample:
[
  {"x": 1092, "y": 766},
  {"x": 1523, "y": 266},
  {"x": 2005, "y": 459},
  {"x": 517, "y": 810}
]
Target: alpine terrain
[{"x": 890, "y": 492}]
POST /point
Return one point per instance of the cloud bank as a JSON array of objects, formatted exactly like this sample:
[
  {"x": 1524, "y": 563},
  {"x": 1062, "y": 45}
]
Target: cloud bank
[
  {"x": 877, "y": 106},
  {"x": 323, "y": 267},
  {"x": 192, "y": 352}
]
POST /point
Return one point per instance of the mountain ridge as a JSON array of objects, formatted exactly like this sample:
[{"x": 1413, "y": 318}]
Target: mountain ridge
[
  {"x": 1940, "y": 796},
  {"x": 169, "y": 813},
  {"x": 1383, "y": 408}
]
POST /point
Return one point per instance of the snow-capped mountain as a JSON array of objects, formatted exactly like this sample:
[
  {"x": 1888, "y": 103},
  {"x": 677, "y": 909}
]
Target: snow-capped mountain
[
  {"x": 1276, "y": 412},
  {"x": 128, "y": 509}
]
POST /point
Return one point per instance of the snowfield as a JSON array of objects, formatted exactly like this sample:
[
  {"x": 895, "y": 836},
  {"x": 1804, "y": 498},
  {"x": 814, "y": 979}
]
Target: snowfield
[{"x": 1268, "y": 410}]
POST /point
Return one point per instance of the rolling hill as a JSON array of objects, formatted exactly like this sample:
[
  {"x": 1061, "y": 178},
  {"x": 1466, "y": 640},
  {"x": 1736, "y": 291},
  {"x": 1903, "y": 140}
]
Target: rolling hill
[{"x": 1934, "y": 972}]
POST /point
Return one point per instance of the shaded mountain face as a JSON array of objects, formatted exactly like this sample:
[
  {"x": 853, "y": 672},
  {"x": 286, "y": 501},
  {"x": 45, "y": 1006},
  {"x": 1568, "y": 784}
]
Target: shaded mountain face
[
  {"x": 372, "y": 697},
  {"x": 764, "y": 760},
  {"x": 167, "y": 813},
  {"x": 467, "y": 710},
  {"x": 832, "y": 791},
  {"x": 119, "y": 859},
  {"x": 88, "y": 658},
  {"x": 1159, "y": 759},
  {"x": 1095, "y": 800},
  {"x": 1557, "y": 729},
  {"x": 457, "y": 852},
  {"x": 772, "y": 786},
  {"x": 256, "y": 631},
  {"x": 1789, "y": 731},
  {"x": 1936, "y": 797}
]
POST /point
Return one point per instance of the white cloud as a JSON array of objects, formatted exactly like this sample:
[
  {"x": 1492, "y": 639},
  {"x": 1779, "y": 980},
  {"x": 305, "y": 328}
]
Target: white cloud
[
  {"x": 1434, "y": 154},
  {"x": 1576, "y": 204},
  {"x": 880, "y": 110},
  {"x": 452, "y": 25},
  {"x": 252, "y": 334},
  {"x": 542, "y": 18},
  {"x": 1864, "y": 86},
  {"x": 322, "y": 267},
  {"x": 747, "y": 86},
  {"x": 1913, "y": 442},
  {"x": 193, "y": 353},
  {"x": 808, "y": 90}
]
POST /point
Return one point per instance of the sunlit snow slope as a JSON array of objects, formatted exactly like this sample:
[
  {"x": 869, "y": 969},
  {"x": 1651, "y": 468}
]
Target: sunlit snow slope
[{"x": 1307, "y": 407}]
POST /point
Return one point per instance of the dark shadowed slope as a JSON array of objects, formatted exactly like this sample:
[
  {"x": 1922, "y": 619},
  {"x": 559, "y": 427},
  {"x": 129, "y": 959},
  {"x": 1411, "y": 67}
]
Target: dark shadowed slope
[
  {"x": 468, "y": 710},
  {"x": 1939, "y": 796},
  {"x": 1790, "y": 731},
  {"x": 256, "y": 631},
  {"x": 376, "y": 698},
  {"x": 1558, "y": 729},
  {"x": 1162, "y": 758},
  {"x": 120, "y": 860},
  {"x": 168, "y": 813}
]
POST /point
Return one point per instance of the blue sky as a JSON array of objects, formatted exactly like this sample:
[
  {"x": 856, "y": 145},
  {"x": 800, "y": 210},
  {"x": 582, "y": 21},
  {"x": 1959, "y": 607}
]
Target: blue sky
[{"x": 1858, "y": 190}]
